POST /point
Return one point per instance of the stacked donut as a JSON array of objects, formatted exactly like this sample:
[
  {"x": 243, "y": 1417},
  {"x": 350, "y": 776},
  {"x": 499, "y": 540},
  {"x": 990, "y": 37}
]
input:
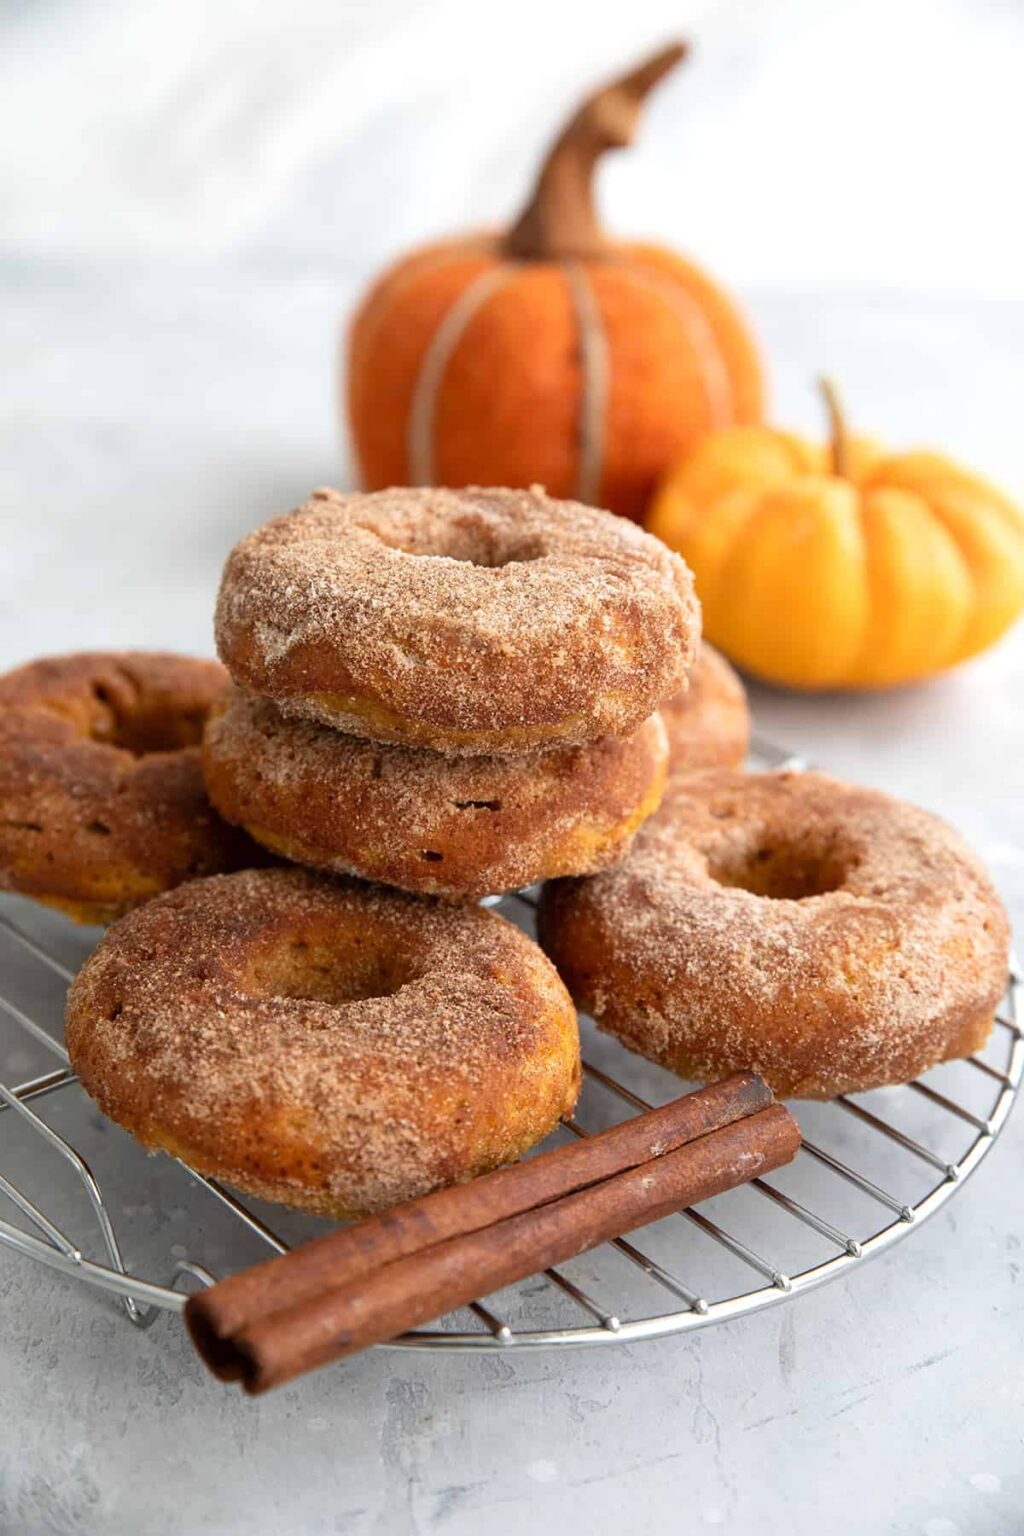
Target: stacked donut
[{"x": 452, "y": 692}]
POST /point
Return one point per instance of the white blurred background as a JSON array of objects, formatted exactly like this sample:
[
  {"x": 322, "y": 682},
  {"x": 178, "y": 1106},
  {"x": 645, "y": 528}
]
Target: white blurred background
[{"x": 807, "y": 142}]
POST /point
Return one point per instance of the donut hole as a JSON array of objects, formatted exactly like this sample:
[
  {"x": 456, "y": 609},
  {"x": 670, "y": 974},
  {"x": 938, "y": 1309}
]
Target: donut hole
[
  {"x": 140, "y": 725},
  {"x": 319, "y": 971},
  {"x": 471, "y": 543},
  {"x": 781, "y": 870},
  {"x": 496, "y": 560}
]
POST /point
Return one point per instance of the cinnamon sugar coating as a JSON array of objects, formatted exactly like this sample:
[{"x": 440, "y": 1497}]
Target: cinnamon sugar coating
[
  {"x": 826, "y": 936},
  {"x": 325, "y": 1043},
  {"x": 708, "y": 724},
  {"x": 102, "y": 803},
  {"x": 454, "y": 827},
  {"x": 475, "y": 621}
]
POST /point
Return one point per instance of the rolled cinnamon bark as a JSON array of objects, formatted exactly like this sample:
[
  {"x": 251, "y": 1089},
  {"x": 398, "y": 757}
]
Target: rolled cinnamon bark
[
  {"x": 339, "y": 1257},
  {"x": 428, "y": 1283}
]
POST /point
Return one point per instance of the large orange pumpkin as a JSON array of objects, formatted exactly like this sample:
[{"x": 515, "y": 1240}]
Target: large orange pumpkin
[{"x": 550, "y": 353}]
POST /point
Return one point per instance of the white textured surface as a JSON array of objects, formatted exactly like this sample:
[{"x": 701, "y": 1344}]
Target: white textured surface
[{"x": 153, "y": 409}]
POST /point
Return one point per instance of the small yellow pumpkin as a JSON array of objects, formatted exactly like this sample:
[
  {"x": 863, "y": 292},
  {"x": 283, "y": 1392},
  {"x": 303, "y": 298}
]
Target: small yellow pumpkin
[{"x": 841, "y": 566}]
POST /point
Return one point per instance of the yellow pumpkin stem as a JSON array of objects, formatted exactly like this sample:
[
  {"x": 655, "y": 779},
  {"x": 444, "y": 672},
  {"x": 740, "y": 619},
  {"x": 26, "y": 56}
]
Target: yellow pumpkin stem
[
  {"x": 837, "y": 427},
  {"x": 560, "y": 219}
]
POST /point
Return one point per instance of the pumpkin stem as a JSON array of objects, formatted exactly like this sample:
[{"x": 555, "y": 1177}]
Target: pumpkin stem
[
  {"x": 560, "y": 219},
  {"x": 837, "y": 427}
]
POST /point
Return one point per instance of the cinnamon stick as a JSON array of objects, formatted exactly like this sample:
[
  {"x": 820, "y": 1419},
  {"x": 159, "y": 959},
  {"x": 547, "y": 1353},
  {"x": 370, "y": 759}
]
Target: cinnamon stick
[
  {"x": 355, "y": 1252},
  {"x": 425, "y": 1284}
]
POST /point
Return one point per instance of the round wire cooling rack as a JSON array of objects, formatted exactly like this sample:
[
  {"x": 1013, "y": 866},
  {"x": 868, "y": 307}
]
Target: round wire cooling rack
[{"x": 871, "y": 1169}]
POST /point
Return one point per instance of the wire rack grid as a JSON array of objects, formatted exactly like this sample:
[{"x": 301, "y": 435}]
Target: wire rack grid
[{"x": 872, "y": 1167}]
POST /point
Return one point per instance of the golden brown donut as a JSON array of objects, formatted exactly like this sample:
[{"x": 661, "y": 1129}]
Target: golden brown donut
[
  {"x": 452, "y": 827},
  {"x": 708, "y": 723},
  {"x": 102, "y": 803},
  {"x": 475, "y": 621},
  {"x": 324, "y": 1043},
  {"x": 826, "y": 936}
]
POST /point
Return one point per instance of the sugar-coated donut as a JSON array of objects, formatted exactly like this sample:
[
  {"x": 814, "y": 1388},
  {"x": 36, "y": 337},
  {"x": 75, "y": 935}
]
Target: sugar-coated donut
[
  {"x": 453, "y": 827},
  {"x": 708, "y": 723},
  {"x": 324, "y": 1043},
  {"x": 102, "y": 803},
  {"x": 823, "y": 935},
  {"x": 476, "y": 621}
]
